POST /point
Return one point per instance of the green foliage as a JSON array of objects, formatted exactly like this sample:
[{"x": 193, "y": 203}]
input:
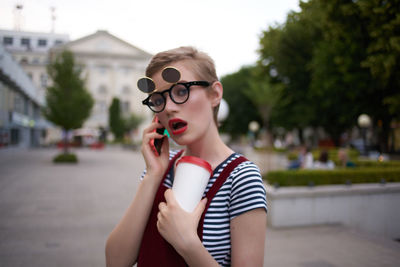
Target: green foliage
[
  {"x": 264, "y": 94},
  {"x": 241, "y": 109},
  {"x": 65, "y": 158},
  {"x": 384, "y": 47},
  {"x": 286, "y": 51},
  {"x": 116, "y": 122},
  {"x": 335, "y": 60},
  {"x": 68, "y": 103},
  {"x": 337, "y": 176},
  {"x": 352, "y": 155},
  {"x": 377, "y": 164},
  {"x": 132, "y": 122}
]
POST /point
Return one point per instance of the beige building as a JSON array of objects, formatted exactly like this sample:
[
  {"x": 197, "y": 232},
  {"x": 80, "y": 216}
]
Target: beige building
[
  {"x": 111, "y": 69},
  {"x": 30, "y": 51}
]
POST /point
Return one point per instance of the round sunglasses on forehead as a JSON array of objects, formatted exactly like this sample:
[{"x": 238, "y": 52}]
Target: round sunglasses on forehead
[
  {"x": 178, "y": 93},
  {"x": 169, "y": 74}
]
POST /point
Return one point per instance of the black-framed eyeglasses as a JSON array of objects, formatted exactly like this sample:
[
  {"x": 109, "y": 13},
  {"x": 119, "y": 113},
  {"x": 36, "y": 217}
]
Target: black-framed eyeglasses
[{"x": 178, "y": 93}]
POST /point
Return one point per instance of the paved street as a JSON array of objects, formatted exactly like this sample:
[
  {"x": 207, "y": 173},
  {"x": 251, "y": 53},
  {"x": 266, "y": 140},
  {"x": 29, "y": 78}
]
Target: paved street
[{"x": 61, "y": 215}]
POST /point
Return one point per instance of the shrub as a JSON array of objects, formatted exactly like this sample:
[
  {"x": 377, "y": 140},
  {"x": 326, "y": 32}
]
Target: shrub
[
  {"x": 65, "y": 158},
  {"x": 338, "y": 176},
  {"x": 375, "y": 163},
  {"x": 332, "y": 154}
]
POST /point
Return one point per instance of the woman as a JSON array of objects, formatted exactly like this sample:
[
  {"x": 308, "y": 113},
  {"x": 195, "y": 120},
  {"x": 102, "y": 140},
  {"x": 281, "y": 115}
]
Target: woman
[{"x": 185, "y": 93}]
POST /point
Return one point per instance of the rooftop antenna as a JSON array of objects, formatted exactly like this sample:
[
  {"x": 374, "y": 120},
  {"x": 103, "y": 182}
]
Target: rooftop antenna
[
  {"x": 53, "y": 18},
  {"x": 18, "y": 17}
]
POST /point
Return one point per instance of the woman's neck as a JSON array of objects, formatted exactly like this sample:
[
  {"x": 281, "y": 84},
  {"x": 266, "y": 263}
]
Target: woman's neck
[{"x": 210, "y": 148}]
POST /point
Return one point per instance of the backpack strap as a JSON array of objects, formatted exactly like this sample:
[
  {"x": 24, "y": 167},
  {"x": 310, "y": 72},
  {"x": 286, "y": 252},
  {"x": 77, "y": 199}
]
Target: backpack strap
[{"x": 215, "y": 188}]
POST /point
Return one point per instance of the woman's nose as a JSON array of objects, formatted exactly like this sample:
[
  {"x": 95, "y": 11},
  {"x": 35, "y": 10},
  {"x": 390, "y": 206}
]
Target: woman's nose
[{"x": 169, "y": 104}]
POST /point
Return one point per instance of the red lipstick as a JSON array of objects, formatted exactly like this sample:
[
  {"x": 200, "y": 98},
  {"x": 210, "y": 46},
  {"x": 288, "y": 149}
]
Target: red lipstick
[{"x": 177, "y": 126}]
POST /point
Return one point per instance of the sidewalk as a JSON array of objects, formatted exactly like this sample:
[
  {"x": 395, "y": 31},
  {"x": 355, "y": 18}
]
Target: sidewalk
[{"x": 61, "y": 215}]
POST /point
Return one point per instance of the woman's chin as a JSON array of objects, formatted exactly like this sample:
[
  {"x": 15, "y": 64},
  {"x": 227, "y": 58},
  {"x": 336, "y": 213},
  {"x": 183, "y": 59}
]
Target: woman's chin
[{"x": 182, "y": 141}]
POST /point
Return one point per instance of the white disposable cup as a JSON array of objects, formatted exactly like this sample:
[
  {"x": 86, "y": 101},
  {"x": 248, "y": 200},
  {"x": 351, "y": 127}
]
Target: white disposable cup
[{"x": 190, "y": 181}]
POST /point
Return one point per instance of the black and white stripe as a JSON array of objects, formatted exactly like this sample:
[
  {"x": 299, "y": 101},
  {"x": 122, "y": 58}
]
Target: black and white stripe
[{"x": 242, "y": 191}]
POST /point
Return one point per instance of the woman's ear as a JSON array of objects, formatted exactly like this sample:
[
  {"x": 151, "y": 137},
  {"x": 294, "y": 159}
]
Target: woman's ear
[{"x": 216, "y": 93}]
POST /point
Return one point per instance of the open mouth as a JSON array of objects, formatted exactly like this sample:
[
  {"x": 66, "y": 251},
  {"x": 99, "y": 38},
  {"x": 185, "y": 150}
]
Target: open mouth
[{"x": 177, "y": 126}]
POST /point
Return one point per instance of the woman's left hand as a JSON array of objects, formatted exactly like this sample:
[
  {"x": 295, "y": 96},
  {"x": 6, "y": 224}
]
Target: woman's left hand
[{"x": 176, "y": 226}]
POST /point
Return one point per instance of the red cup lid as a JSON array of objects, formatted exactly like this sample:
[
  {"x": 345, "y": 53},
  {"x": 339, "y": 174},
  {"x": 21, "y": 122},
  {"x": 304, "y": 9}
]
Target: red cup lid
[{"x": 198, "y": 161}]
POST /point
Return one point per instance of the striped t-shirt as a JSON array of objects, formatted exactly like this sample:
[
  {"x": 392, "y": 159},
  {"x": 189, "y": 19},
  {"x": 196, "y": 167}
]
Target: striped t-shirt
[{"x": 242, "y": 191}]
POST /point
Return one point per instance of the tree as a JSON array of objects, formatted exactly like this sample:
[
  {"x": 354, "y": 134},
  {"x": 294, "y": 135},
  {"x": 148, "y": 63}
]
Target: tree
[
  {"x": 116, "y": 122},
  {"x": 265, "y": 95},
  {"x": 242, "y": 111},
  {"x": 68, "y": 103},
  {"x": 383, "y": 60},
  {"x": 132, "y": 122},
  {"x": 285, "y": 56},
  {"x": 336, "y": 60}
]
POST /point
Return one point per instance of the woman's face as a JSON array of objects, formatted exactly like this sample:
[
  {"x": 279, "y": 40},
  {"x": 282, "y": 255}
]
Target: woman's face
[{"x": 191, "y": 120}]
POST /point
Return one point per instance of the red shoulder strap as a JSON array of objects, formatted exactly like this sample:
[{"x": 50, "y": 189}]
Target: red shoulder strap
[{"x": 215, "y": 187}]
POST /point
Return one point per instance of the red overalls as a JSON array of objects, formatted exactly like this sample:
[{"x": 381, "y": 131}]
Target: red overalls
[{"x": 154, "y": 250}]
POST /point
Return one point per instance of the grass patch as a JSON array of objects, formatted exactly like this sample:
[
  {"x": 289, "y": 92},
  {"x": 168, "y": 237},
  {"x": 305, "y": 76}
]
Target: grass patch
[{"x": 65, "y": 158}]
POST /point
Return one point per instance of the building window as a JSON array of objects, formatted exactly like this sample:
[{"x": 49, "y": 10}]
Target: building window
[
  {"x": 126, "y": 90},
  {"x": 26, "y": 41},
  {"x": 18, "y": 104},
  {"x": 126, "y": 70},
  {"x": 102, "y": 69},
  {"x": 125, "y": 107},
  {"x": 25, "y": 102},
  {"x": 58, "y": 42},
  {"x": 35, "y": 60},
  {"x": 43, "y": 80},
  {"x": 101, "y": 106},
  {"x": 24, "y": 60},
  {"x": 102, "y": 90},
  {"x": 30, "y": 75},
  {"x": 42, "y": 42},
  {"x": 8, "y": 40},
  {"x": 14, "y": 136}
]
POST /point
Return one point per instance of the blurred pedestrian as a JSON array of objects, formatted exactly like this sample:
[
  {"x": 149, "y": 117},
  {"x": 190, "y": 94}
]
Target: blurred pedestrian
[
  {"x": 324, "y": 162},
  {"x": 308, "y": 159},
  {"x": 343, "y": 157}
]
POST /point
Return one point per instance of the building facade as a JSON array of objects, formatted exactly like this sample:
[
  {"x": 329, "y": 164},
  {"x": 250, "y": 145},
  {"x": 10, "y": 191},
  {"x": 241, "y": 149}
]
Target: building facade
[
  {"x": 21, "y": 123},
  {"x": 111, "y": 68},
  {"x": 30, "y": 51}
]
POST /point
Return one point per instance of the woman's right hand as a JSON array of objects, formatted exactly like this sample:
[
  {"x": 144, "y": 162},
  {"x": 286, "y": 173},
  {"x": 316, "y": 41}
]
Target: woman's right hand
[{"x": 156, "y": 165}]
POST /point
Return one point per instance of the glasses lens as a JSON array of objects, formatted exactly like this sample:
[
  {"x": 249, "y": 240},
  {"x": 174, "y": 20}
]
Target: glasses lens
[
  {"x": 156, "y": 102},
  {"x": 171, "y": 75},
  {"x": 146, "y": 85},
  {"x": 179, "y": 93}
]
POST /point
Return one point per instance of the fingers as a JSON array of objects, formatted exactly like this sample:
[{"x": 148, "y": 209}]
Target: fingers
[
  {"x": 150, "y": 134},
  {"x": 169, "y": 196},
  {"x": 162, "y": 207},
  {"x": 165, "y": 148}
]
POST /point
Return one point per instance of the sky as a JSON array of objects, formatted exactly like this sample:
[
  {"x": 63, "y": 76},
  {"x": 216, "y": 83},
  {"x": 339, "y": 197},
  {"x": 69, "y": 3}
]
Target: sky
[{"x": 228, "y": 30}]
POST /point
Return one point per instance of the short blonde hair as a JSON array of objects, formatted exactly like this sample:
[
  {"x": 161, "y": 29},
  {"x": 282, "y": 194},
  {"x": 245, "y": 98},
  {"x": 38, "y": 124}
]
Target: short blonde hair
[{"x": 202, "y": 64}]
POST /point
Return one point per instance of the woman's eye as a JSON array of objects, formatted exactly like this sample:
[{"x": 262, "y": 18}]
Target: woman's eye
[
  {"x": 159, "y": 101},
  {"x": 181, "y": 91}
]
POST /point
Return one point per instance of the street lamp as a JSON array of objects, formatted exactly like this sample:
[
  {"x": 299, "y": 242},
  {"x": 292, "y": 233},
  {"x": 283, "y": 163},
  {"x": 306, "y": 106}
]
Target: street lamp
[
  {"x": 253, "y": 128},
  {"x": 364, "y": 121},
  {"x": 223, "y": 111}
]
